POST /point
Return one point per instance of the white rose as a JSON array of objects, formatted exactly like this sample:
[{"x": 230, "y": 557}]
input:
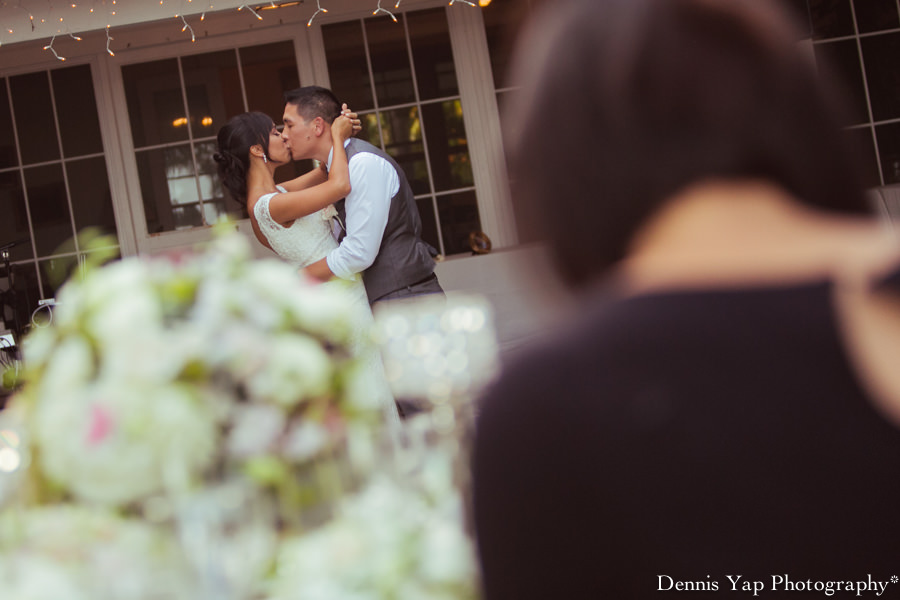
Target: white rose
[{"x": 296, "y": 368}]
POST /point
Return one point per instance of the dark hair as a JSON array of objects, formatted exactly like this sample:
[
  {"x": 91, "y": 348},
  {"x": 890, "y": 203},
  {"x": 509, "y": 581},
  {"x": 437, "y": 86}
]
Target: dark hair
[
  {"x": 313, "y": 101},
  {"x": 626, "y": 102},
  {"x": 235, "y": 139}
]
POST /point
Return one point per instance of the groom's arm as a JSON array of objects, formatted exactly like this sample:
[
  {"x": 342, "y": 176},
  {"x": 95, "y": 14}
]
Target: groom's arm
[
  {"x": 373, "y": 182},
  {"x": 319, "y": 270}
]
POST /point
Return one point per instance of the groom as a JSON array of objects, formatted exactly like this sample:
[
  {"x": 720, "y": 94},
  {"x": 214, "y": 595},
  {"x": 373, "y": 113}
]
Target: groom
[{"x": 381, "y": 230}]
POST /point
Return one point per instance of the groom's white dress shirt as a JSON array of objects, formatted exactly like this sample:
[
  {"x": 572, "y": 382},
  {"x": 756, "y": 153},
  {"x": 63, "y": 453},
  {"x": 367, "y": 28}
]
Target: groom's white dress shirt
[{"x": 373, "y": 182}]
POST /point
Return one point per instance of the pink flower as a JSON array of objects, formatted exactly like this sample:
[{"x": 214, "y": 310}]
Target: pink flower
[{"x": 101, "y": 425}]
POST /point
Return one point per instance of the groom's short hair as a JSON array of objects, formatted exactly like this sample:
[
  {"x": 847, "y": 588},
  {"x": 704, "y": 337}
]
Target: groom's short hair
[{"x": 313, "y": 101}]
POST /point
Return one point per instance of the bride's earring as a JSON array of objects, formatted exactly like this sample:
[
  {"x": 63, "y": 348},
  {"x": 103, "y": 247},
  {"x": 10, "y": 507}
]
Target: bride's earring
[{"x": 265, "y": 160}]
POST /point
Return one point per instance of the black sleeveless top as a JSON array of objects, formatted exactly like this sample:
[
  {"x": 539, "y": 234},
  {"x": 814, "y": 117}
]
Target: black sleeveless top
[{"x": 673, "y": 439}]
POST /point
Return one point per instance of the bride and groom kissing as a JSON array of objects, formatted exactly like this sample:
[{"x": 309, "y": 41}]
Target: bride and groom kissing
[
  {"x": 353, "y": 222},
  {"x": 377, "y": 225}
]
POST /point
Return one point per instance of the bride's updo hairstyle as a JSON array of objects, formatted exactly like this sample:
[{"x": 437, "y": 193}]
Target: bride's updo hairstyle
[{"x": 235, "y": 139}]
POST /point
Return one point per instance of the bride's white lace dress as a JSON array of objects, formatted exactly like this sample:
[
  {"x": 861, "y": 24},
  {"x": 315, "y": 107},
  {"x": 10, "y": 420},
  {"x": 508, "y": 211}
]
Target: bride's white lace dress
[{"x": 307, "y": 240}]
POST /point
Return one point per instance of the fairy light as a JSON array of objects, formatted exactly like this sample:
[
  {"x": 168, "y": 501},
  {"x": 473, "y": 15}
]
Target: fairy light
[
  {"x": 385, "y": 11},
  {"x": 73, "y": 36},
  {"x": 203, "y": 15},
  {"x": 51, "y": 49},
  {"x": 319, "y": 9},
  {"x": 30, "y": 16},
  {"x": 109, "y": 38},
  {"x": 187, "y": 26},
  {"x": 398, "y": 4},
  {"x": 256, "y": 14},
  {"x": 452, "y": 2}
]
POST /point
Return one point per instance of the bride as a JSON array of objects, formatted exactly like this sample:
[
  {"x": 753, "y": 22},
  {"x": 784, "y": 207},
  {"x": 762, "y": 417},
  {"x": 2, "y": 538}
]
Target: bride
[{"x": 293, "y": 219}]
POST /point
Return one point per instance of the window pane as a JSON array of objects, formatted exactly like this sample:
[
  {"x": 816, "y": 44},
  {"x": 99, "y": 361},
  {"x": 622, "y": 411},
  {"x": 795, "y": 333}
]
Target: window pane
[
  {"x": 390, "y": 61},
  {"x": 14, "y": 224},
  {"x": 831, "y": 18},
  {"x": 50, "y": 216},
  {"x": 502, "y": 21},
  {"x": 269, "y": 71},
  {"x": 26, "y": 297},
  {"x": 863, "y": 146},
  {"x": 89, "y": 191},
  {"x": 889, "y": 148},
  {"x": 459, "y": 218},
  {"x": 432, "y": 54},
  {"x": 155, "y": 104},
  {"x": 843, "y": 58},
  {"x": 55, "y": 272},
  {"x": 882, "y": 57},
  {"x": 448, "y": 149},
  {"x": 370, "y": 131},
  {"x": 211, "y": 81},
  {"x": 402, "y": 133},
  {"x": 167, "y": 180},
  {"x": 876, "y": 15},
  {"x": 215, "y": 205},
  {"x": 347, "y": 65},
  {"x": 800, "y": 11},
  {"x": 429, "y": 222},
  {"x": 8, "y": 156},
  {"x": 34, "y": 117},
  {"x": 76, "y": 109}
]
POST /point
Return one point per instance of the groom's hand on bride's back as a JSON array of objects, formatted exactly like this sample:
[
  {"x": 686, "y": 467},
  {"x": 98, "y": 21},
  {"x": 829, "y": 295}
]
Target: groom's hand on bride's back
[{"x": 318, "y": 272}]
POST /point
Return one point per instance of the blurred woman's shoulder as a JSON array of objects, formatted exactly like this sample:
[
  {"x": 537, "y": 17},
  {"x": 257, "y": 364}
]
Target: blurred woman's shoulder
[{"x": 867, "y": 304}]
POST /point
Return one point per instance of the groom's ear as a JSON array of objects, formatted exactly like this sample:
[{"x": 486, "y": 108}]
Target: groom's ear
[{"x": 321, "y": 126}]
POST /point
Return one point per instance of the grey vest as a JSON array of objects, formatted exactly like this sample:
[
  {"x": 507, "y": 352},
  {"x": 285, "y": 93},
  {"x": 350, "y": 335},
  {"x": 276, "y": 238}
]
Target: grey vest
[{"x": 403, "y": 258}]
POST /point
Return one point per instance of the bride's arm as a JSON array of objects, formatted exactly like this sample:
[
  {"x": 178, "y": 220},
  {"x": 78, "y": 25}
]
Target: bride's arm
[
  {"x": 307, "y": 180},
  {"x": 293, "y": 205}
]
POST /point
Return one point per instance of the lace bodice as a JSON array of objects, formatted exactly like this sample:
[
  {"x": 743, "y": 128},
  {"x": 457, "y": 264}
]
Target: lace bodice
[{"x": 307, "y": 240}]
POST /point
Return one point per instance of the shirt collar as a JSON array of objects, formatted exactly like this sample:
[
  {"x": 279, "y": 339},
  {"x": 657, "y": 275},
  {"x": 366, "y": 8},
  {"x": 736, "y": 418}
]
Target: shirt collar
[{"x": 331, "y": 154}]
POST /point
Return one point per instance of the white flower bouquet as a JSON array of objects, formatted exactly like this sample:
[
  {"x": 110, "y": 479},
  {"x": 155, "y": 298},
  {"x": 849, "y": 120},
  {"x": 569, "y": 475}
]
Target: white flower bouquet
[{"x": 188, "y": 424}]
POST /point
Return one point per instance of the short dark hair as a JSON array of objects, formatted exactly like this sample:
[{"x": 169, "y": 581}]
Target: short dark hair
[
  {"x": 657, "y": 95},
  {"x": 314, "y": 101},
  {"x": 234, "y": 140}
]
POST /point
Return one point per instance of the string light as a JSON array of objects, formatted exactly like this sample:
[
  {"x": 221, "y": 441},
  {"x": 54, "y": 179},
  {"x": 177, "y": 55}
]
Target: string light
[
  {"x": 27, "y": 12},
  {"x": 256, "y": 14},
  {"x": 109, "y": 38},
  {"x": 73, "y": 36},
  {"x": 51, "y": 49},
  {"x": 398, "y": 4},
  {"x": 452, "y": 2},
  {"x": 203, "y": 16},
  {"x": 319, "y": 9},
  {"x": 187, "y": 26},
  {"x": 386, "y": 11}
]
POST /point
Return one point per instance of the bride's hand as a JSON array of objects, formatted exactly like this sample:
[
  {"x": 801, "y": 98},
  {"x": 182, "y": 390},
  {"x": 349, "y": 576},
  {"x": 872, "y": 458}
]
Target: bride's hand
[
  {"x": 342, "y": 128},
  {"x": 357, "y": 125}
]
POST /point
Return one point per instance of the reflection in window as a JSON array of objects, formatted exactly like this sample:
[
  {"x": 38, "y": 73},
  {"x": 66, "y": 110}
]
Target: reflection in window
[
  {"x": 410, "y": 108},
  {"x": 176, "y": 107}
]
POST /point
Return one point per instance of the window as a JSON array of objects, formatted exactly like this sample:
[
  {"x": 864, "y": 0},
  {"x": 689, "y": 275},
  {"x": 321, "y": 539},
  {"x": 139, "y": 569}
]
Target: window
[
  {"x": 861, "y": 40},
  {"x": 401, "y": 78},
  {"x": 53, "y": 182},
  {"x": 177, "y": 105}
]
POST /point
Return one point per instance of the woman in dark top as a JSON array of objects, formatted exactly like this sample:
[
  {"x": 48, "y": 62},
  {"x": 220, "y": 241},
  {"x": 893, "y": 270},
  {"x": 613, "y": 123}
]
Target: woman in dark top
[{"x": 722, "y": 416}]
